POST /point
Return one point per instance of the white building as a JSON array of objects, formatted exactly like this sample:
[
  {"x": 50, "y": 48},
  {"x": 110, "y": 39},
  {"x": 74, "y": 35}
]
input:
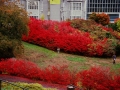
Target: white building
[{"x": 64, "y": 9}]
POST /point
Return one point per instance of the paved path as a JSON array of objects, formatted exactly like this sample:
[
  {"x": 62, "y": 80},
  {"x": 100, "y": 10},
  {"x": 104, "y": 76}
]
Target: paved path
[{"x": 20, "y": 79}]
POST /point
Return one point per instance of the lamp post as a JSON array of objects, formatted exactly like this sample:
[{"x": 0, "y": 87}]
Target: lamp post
[
  {"x": 58, "y": 50},
  {"x": 70, "y": 87}
]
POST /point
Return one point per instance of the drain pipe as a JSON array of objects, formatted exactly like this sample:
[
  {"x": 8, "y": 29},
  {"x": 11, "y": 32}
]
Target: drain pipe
[{"x": 48, "y": 14}]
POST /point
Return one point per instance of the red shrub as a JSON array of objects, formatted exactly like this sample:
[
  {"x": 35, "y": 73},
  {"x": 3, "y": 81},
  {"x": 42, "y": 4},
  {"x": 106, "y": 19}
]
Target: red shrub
[
  {"x": 58, "y": 75},
  {"x": 100, "y": 18},
  {"x": 116, "y": 82},
  {"x": 99, "y": 47},
  {"x": 52, "y": 34},
  {"x": 19, "y": 68},
  {"x": 97, "y": 78}
]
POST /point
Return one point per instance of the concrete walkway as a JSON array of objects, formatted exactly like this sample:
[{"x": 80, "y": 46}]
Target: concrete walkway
[{"x": 20, "y": 79}]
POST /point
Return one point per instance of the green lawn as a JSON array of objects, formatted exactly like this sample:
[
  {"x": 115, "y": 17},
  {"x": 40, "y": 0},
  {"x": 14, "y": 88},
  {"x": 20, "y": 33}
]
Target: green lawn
[{"x": 44, "y": 57}]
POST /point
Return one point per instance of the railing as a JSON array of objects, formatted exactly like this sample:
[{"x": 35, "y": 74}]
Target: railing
[{"x": 1, "y": 80}]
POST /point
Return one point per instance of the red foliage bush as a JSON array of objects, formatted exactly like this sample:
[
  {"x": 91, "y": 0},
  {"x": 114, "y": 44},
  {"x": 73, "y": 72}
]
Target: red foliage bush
[
  {"x": 102, "y": 43},
  {"x": 116, "y": 82},
  {"x": 27, "y": 69},
  {"x": 19, "y": 68},
  {"x": 97, "y": 47},
  {"x": 60, "y": 75},
  {"x": 100, "y": 18},
  {"x": 53, "y": 34},
  {"x": 97, "y": 78},
  {"x": 103, "y": 18},
  {"x": 89, "y": 40}
]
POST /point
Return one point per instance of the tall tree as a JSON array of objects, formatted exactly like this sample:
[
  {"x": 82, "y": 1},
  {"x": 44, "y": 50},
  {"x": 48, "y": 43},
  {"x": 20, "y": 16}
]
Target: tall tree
[{"x": 13, "y": 24}]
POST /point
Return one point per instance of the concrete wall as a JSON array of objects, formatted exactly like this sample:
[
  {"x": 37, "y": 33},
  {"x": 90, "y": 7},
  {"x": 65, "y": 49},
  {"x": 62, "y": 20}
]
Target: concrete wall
[
  {"x": 45, "y": 9},
  {"x": 55, "y": 12}
]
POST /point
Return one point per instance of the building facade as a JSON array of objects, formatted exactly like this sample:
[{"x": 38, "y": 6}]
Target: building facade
[
  {"x": 69, "y": 9},
  {"x": 110, "y": 7}
]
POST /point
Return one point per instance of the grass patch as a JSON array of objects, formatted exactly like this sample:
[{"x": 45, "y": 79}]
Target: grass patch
[
  {"x": 35, "y": 48},
  {"x": 76, "y": 59},
  {"x": 37, "y": 54},
  {"x": 116, "y": 66},
  {"x": 44, "y": 57}
]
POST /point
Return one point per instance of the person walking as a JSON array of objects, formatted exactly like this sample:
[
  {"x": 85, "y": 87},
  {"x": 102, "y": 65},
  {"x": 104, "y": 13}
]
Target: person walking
[{"x": 114, "y": 58}]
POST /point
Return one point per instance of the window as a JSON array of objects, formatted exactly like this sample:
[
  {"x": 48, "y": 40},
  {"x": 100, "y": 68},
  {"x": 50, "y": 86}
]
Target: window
[
  {"x": 75, "y": 10},
  {"x": 33, "y": 5},
  {"x": 103, "y": 6},
  {"x": 113, "y": 16},
  {"x": 33, "y": 9},
  {"x": 34, "y": 17}
]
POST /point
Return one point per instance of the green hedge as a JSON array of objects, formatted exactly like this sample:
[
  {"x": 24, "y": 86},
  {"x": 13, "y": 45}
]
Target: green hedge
[{"x": 28, "y": 86}]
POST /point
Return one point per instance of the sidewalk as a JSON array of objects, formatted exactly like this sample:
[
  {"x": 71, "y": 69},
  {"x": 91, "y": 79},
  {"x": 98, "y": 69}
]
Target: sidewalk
[{"x": 20, "y": 79}]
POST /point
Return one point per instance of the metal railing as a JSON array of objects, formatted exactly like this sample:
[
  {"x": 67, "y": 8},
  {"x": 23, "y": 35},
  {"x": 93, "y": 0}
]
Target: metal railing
[{"x": 1, "y": 80}]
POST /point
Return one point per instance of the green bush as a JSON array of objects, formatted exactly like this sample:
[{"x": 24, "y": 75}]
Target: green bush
[
  {"x": 81, "y": 24},
  {"x": 113, "y": 26},
  {"x": 92, "y": 27},
  {"x": 99, "y": 34},
  {"x": 27, "y": 86},
  {"x": 110, "y": 47},
  {"x": 118, "y": 25},
  {"x": 118, "y": 48},
  {"x": 10, "y": 47}
]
